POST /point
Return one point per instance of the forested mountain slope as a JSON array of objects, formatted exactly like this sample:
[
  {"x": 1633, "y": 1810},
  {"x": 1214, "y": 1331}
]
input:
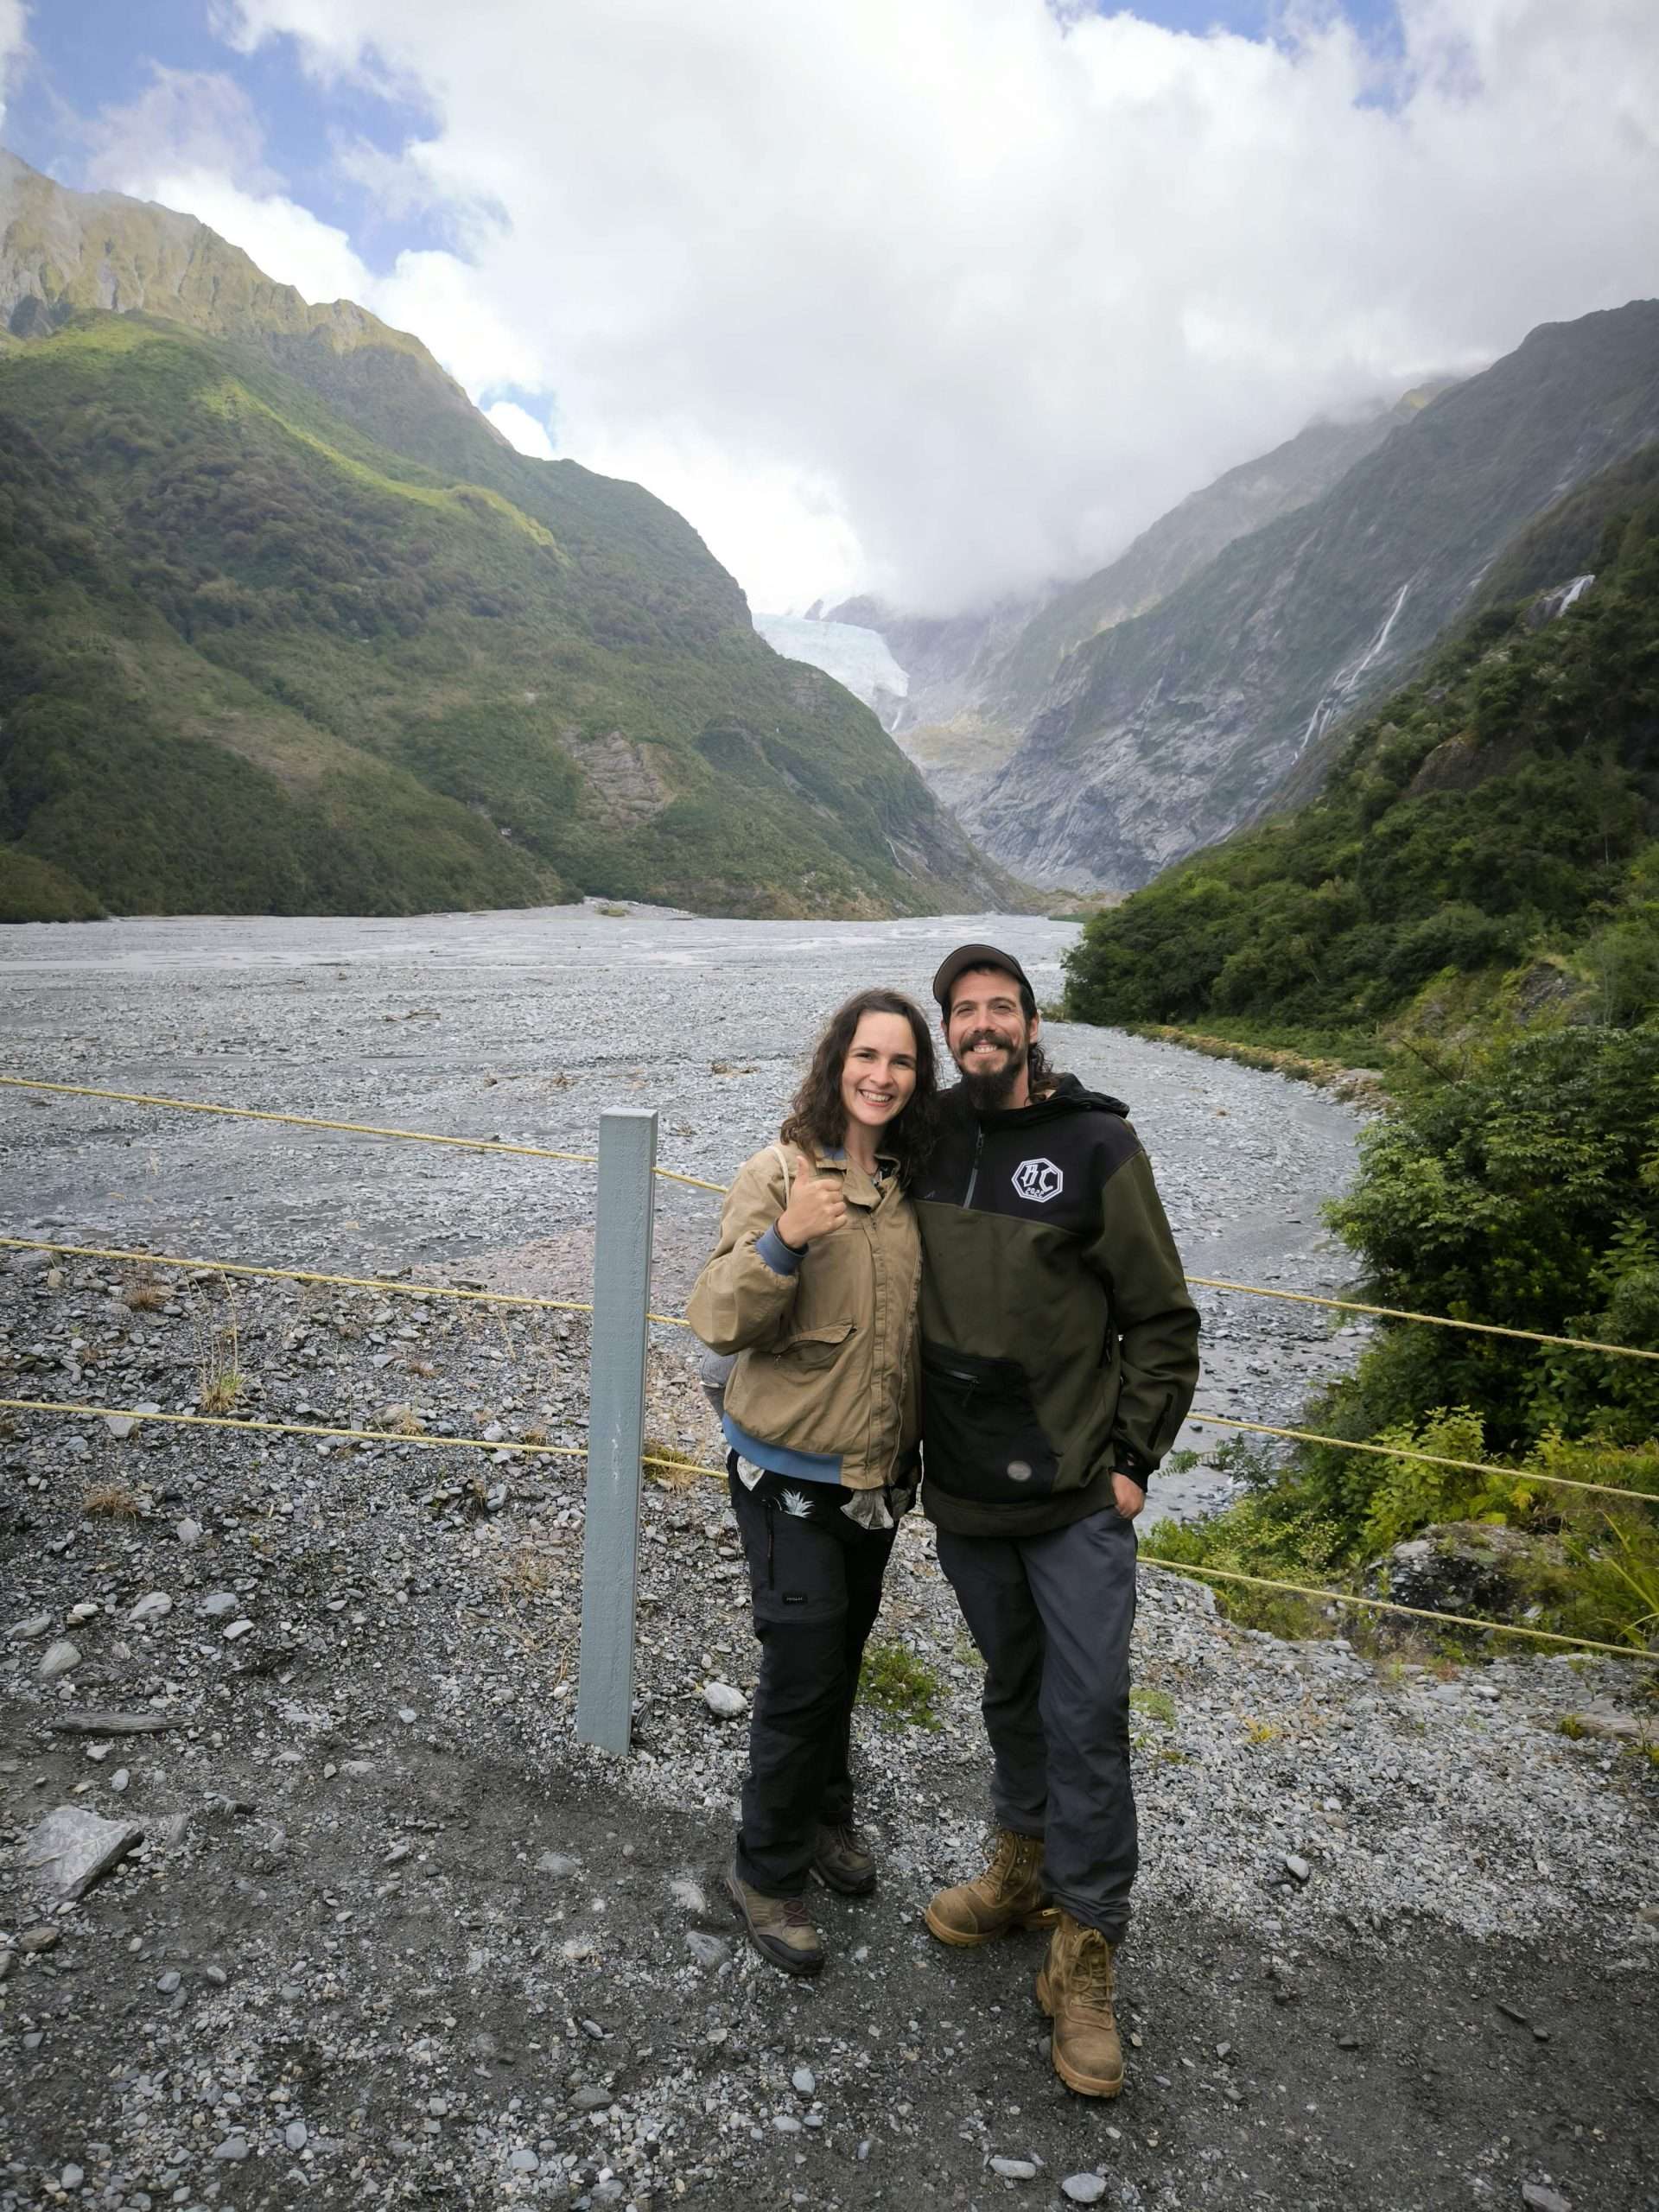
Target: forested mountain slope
[
  {"x": 1172, "y": 728},
  {"x": 286, "y": 625},
  {"x": 1497, "y": 817}
]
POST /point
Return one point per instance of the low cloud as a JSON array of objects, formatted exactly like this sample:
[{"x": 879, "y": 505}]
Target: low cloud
[
  {"x": 945, "y": 299},
  {"x": 14, "y": 36},
  {"x": 520, "y": 429}
]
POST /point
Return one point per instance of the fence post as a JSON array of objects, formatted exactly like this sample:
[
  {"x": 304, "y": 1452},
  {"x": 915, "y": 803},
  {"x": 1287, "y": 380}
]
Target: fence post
[{"x": 616, "y": 1422}]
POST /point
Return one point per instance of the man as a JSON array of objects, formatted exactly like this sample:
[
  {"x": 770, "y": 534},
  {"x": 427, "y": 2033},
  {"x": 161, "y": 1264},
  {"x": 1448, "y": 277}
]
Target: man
[{"x": 1059, "y": 1356}]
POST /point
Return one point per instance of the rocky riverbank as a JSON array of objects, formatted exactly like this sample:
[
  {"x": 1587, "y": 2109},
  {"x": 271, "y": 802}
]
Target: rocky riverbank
[{"x": 390, "y": 1935}]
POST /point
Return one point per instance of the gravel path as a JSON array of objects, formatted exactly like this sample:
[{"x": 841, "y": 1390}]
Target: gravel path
[{"x": 392, "y": 1937}]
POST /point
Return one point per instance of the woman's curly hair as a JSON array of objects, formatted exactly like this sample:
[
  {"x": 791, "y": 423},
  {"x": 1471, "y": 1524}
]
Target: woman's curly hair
[{"x": 817, "y": 1117}]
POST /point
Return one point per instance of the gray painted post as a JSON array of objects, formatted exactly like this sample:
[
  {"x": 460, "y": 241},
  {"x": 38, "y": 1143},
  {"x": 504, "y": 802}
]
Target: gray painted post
[{"x": 616, "y": 1423}]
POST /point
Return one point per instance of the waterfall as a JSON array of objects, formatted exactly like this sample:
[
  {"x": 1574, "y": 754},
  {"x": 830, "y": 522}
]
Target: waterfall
[{"x": 1337, "y": 695}]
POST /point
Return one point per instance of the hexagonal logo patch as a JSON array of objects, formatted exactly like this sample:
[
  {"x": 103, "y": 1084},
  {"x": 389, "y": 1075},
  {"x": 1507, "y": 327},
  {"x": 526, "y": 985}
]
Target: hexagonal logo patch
[{"x": 1038, "y": 1180}]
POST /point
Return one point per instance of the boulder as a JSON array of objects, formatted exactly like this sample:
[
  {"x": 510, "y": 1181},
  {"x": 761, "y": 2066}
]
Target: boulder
[
  {"x": 1462, "y": 1567},
  {"x": 71, "y": 1848}
]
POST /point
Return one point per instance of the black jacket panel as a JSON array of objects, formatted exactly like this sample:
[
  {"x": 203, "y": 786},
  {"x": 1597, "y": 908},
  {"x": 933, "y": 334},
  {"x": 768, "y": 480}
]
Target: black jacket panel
[{"x": 1059, "y": 1342}]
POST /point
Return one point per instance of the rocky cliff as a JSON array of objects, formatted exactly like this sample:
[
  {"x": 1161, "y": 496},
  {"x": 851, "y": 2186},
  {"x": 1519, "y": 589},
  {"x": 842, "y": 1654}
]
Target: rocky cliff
[{"x": 1169, "y": 730}]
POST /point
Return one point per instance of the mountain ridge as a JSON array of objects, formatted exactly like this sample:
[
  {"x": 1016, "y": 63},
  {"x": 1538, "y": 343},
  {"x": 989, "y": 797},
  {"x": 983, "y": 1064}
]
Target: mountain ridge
[{"x": 253, "y": 656}]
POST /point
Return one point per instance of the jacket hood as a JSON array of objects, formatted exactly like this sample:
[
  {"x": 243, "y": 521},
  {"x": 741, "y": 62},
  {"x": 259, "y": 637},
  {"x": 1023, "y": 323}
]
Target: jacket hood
[{"x": 1066, "y": 1096}]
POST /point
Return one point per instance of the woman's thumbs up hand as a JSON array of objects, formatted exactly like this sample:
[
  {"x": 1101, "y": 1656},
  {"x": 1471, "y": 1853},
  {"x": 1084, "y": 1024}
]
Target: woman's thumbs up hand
[{"x": 816, "y": 1207}]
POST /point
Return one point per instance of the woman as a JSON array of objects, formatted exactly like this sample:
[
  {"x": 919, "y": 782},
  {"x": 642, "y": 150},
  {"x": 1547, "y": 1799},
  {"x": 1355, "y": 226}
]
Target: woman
[{"x": 814, "y": 1286}]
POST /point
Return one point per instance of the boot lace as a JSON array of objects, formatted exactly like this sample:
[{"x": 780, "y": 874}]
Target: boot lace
[
  {"x": 796, "y": 1914},
  {"x": 849, "y": 1837},
  {"x": 1092, "y": 1970},
  {"x": 1006, "y": 1868}
]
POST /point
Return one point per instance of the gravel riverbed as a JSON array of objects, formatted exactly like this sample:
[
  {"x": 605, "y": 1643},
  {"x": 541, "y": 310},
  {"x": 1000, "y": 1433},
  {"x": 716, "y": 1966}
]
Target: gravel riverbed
[{"x": 387, "y": 1935}]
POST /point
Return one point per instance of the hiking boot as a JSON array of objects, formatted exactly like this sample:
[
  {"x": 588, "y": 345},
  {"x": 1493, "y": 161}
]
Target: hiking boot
[
  {"x": 780, "y": 1928},
  {"x": 1074, "y": 1987},
  {"x": 843, "y": 1860},
  {"x": 1009, "y": 1894}
]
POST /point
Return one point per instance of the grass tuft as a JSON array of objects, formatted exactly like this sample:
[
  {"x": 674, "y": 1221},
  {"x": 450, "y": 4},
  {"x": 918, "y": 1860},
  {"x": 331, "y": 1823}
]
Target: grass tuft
[
  {"x": 902, "y": 1687},
  {"x": 119, "y": 1501}
]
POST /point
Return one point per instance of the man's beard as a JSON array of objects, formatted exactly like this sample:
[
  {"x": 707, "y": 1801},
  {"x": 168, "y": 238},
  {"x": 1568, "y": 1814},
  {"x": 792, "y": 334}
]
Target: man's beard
[{"x": 989, "y": 1093}]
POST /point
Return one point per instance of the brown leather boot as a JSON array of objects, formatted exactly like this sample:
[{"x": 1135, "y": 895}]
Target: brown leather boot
[
  {"x": 780, "y": 1928},
  {"x": 1074, "y": 1987},
  {"x": 1009, "y": 1894},
  {"x": 843, "y": 1860}
]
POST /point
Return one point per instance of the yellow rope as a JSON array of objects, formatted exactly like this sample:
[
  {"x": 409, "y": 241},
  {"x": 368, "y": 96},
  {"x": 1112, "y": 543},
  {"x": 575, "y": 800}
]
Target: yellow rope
[
  {"x": 1413, "y": 1613},
  {"x": 694, "y": 1182},
  {"x": 302, "y": 1121},
  {"x": 699, "y": 1183},
  {"x": 296, "y": 1274},
  {"x": 309, "y": 1274},
  {"x": 293, "y": 1427},
  {"x": 1428, "y": 1458},
  {"x": 1435, "y": 1320},
  {"x": 718, "y": 1474}
]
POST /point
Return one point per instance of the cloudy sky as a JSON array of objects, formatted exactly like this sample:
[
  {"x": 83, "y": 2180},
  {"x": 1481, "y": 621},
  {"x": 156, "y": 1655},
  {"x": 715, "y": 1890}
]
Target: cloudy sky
[{"x": 936, "y": 297}]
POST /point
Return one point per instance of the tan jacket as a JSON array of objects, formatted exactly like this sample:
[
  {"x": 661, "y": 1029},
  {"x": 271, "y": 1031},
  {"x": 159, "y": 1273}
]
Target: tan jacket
[{"x": 827, "y": 1344}]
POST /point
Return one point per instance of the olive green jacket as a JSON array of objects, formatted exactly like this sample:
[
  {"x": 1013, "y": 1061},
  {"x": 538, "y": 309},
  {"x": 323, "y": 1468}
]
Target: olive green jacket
[{"x": 827, "y": 1370}]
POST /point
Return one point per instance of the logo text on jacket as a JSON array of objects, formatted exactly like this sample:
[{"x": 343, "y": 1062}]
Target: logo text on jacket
[{"x": 1038, "y": 1180}]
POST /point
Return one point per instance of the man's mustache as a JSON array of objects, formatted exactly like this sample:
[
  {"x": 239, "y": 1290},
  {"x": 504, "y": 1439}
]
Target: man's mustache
[{"x": 988, "y": 1037}]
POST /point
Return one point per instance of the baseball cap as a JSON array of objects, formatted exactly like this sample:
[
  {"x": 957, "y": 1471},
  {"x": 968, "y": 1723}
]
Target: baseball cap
[{"x": 974, "y": 956}]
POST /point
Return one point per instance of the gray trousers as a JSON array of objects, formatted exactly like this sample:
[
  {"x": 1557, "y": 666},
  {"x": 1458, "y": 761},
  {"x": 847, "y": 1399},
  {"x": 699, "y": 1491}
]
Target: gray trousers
[{"x": 1051, "y": 1617}]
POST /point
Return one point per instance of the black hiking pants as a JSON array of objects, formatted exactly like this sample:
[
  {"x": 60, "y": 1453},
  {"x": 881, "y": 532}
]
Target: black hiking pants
[
  {"x": 816, "y": 1579},
  {"x": 1051, "y": 1617}
]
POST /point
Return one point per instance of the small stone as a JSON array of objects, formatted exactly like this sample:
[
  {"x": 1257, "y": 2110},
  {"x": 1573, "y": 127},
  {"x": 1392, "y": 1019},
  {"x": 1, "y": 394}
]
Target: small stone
[
  {"x": 188, "y": 1533},
  {"x": 1014, "y": 2169},
  {"x": 232, "y": 2150},
  {"x": 805, "y": 2081},
  {"x": 558, "y": 1864},
  {"x": 87, "y": 1609},
  {"x": 238, "y": 1629},
  {"x": 785, "y": 2123},
  {"x": 707, "y": 1950},
  {"x": 120, "y": 1425},
  {"x": 169, "y": 1981},
  {"x": 525, "y": 2162},
  {"x": 119, "y": 1780},
  {"x": 296, "y": 2135},
  {"x": 218, "y": 1604},
  {"x": 1084, "y": 2188},
  {"x": 723, "y": 1701},
  {"x": 1537, "y": 2198},
  {"x": 407, "y": 1715},
  {"x": 44, "y": 1938},
  {"x": 25, "y": 1631},
  {"x": 688, "y": 1895},
  {"x": 60, "y": 1657},
  {"x": 154, "y": 1606},
  {"x": 71, "y": 2177},
  {"x": 590, "y": 2099},
  {"x": 1299, "y": 1867}
]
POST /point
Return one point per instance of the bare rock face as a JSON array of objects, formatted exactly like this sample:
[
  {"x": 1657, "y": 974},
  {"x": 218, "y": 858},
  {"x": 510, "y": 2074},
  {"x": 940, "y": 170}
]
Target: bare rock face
[{"x": 72, "y": 1848}]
